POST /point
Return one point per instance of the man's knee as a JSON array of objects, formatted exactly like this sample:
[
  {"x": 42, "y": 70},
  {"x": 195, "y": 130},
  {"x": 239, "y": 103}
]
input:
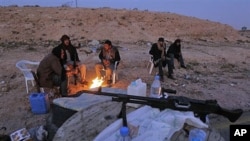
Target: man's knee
[
  {"x": 82, "y": 66},
  {"x": 56, "y": 80},
  {"x": 82, "y": 69},
  {"x": 108, "y": 72},
  {"x": 98, "y": 66}
]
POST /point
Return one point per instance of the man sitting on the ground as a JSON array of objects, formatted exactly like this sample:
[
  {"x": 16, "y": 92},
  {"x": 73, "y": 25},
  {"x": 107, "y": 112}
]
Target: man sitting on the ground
[
  {"x": 158, "y": 50},
  {"x": 108, "y": 56}
]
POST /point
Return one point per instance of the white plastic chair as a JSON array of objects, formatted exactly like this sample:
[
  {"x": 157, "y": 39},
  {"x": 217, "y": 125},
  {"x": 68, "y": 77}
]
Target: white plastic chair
[{"x": 22, "y": 65}]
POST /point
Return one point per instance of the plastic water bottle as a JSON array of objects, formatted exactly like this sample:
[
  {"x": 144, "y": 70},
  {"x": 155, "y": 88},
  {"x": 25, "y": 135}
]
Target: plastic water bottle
[
  {"x": 197, "y": 135},
  {"x": 155, "y": 90},
  {"x": 124, "y": 131}
]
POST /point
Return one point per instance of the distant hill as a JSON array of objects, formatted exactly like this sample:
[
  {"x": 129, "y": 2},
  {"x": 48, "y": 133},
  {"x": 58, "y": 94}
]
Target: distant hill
[{"x": 26, "y": 24}]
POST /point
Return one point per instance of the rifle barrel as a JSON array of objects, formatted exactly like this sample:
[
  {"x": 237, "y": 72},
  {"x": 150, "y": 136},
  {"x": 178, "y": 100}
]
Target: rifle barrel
[{"x": 201, "y": 108}]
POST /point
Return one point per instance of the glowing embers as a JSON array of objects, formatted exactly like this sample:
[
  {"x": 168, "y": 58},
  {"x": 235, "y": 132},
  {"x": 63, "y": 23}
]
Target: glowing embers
[{"x": 97, "y": 82}]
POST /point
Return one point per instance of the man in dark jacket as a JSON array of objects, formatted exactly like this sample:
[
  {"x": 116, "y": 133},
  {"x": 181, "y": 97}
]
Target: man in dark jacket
[
  {"x": 174, "y": 51},
  {"x": 71, "y": 59},
  {"x": 158, "y": 50},
  {"x": 108, "y": 56},
  {"x": 50, "y": 71}
]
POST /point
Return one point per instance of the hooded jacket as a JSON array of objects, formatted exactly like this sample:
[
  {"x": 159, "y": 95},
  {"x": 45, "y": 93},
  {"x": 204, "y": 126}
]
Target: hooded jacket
[
  {"x": 49, "y": 66},
  {"x": 174, "y": 48}
]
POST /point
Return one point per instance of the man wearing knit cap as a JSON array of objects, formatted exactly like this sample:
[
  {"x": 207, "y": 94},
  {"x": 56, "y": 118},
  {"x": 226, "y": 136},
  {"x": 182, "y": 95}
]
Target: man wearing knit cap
[
  {"x": 158, "y": 50},
  {"x": 71, "y": 57}
]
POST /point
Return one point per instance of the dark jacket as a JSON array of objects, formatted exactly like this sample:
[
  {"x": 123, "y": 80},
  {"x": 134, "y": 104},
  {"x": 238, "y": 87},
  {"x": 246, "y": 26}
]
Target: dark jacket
[
  {"x": 156, "y": 52},
  {"x": 72, "y": 51},
  {"x": 174, "y": 49},
  {"x": 49, "y": 66},
  {"x": 114, "y": 55}
]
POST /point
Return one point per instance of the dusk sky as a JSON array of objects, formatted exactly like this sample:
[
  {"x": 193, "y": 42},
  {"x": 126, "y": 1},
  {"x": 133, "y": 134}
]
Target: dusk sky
[{"x": 232, "y": 12}]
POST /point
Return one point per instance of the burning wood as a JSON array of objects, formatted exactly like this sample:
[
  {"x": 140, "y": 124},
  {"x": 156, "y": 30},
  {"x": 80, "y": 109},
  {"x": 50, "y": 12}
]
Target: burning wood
[{"x": 96, "y": 83}]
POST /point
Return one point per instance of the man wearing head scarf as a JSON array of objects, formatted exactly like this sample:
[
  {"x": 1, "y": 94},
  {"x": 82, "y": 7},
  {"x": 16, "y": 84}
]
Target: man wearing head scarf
[
  {"x": 174, "y": 51},
  {"x": 158, "y": 50},
  {"x": 71, "y": 59},
  {"x": 108, "y": 56},
  {"x": 50, "y": 71}
]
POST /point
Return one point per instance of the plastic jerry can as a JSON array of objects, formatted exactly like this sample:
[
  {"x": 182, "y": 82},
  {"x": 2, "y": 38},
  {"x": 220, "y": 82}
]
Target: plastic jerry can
[
  {"x": 137, "y": 88},
  {"x": 39, "y": 103}
]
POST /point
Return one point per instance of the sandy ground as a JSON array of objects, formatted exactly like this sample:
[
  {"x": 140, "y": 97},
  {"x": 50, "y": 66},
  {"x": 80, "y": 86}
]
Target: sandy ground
[{"x": 215, "y": 70}]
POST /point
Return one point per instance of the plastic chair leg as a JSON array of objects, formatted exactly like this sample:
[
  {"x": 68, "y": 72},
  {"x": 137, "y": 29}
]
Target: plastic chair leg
[
  {"x": 151, "y": 68},
  {"x": 116, "y": 76},
  {"x": 27, "y": 87},
  {"x": 113, "y": 77},
  {"x": 33, "y": 84}
]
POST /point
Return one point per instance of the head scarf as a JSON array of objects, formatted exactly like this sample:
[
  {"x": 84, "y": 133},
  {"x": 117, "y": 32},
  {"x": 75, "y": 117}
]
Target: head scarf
[{"x": 57, "y": 52}]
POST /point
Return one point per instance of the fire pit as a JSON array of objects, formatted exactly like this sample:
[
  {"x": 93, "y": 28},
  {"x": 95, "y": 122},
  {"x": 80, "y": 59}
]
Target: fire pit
[
  {"x": 96, "y": 83},
  {"x": 74, "y": 88}
]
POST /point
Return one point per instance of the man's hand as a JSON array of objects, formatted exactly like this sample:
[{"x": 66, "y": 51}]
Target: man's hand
[
  {"x": 78, "y": 63},
  {"x": 68, "y": 66},
  {"x": 71, "y": 70},
  {"x": 106, "y": 62}
]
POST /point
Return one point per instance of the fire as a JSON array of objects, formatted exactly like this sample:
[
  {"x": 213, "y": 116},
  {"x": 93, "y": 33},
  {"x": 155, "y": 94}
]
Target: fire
[{"x": 96, "y": 83}]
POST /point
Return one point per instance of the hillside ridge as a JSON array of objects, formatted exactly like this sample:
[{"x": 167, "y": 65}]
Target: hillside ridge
[{"x": 46, "y": 23}]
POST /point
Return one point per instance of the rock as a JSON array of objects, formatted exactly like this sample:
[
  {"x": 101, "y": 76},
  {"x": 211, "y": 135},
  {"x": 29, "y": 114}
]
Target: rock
[
  {"x": 94, "y": 43},
  {"x": 4, "y": 86}
]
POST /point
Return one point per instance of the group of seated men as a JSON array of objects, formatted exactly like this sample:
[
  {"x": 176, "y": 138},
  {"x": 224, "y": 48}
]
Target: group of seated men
[
  {"x": 54, "y": 68},
  {"x": 161, "y": 57}
]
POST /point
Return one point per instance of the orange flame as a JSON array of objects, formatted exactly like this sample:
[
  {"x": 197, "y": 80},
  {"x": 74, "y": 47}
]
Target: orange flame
[{"x": 96, "y": 83}]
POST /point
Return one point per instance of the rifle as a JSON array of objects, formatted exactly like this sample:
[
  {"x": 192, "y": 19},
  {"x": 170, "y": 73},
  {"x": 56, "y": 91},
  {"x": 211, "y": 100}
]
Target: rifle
[{"x": 201, "y": 108}]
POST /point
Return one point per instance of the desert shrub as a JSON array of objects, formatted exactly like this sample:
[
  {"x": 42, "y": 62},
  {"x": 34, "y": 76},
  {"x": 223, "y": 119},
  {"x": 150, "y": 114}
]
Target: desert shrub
[
  {"x": 193, "y": 63},
  {"x": 227, "y": 66},
  {"x": 30, "y": 48},
  {"x": 15, "y": 32},
  {"x": 80, "y": 24},
  {"x": 123, "y": 17}
]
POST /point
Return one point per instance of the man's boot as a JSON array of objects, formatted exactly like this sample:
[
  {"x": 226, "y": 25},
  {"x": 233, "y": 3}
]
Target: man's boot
[
  {"x": 171, "y": 77},
  {"x": 183, "y": 66},
  {"x": 161, "y": 78}
]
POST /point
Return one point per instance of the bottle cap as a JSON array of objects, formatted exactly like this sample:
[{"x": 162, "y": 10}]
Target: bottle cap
[
  {"x": 197, "y": 135},
  {"x": 124, "y": 131},
  {"x": 157, "y": 77},
  {"x": 133, "y": 83}
]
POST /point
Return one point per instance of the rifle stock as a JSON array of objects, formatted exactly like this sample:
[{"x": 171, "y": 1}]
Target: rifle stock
[
  {"x": 201, "y": 108},
  {"x": 232, "y": 115}
]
